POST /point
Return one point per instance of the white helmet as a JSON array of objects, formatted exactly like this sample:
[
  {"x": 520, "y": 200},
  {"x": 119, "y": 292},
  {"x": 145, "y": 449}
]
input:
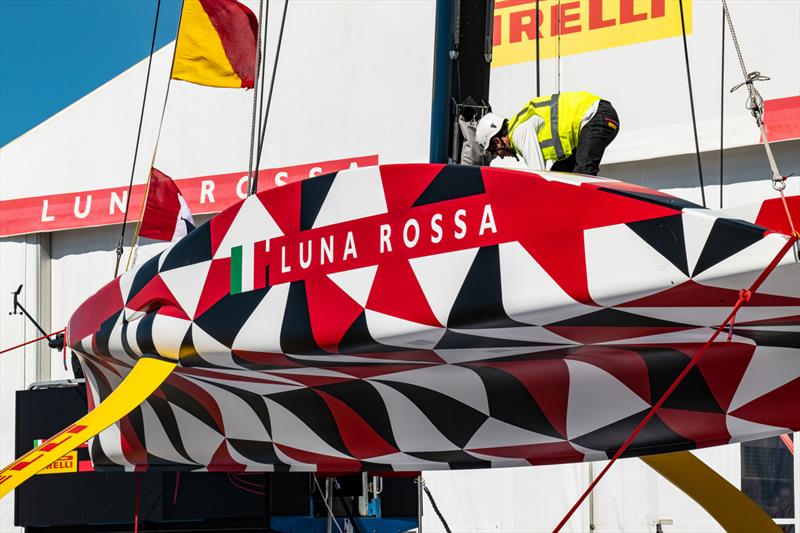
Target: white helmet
[{"x": 488, "y": 126}]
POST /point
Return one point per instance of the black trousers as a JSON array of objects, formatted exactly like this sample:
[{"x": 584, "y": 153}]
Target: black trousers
[{"x": 592, "y": 141}]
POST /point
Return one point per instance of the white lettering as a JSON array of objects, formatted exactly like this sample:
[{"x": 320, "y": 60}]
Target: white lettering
[
  {"x": 284, "y": 268},
  {"x": 280, "y": 177},
  {"x": 459, "y": 219},
  {"x": 45, "y": 216},
  {"x": 353, "y": 165},
  {"x": 315, "y": 171},
  {"x": 118, "y": 202},
  {"x": 207, "y": 191},
  {"x": 350, "y": 247},
  {"x": 77, "y": 208},
  {"x": 305, "y": 263},
  {"x": 437, "y": 228},
  {"x": 487, "y": 221},
  {"x": 326, "y": 250},
  {"x": 240, "y": 192},
  {"x": 411, "y": 223},
  {"x": 386, "y": 232}
]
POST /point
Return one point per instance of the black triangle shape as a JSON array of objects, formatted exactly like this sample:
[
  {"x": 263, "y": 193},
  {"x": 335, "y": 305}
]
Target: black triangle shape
[
  {"x": 312, "y": 195},
  {"x": 225, "y": 319},
  {"x": 455, "y": 459},
  {"x": 655, "y": 437},
  {"x": 453, "y": 181},
  {"x": 144, "y": 334},
  {"x": 358, "y": 339},
  {"x": 479, "y": 304},
  {"x": 146, "y": 272},
  {"x": 727, "y": 237},
  {"x": 665, "y": 235},
  {"x": 187, "y": 348},
  {"x": 296, "y": 334},
  {"x": 456, "y": 420},
  {"x": 312, "y": 410},
  {"x": 663, "y": 367},
  {"x": 192, "y": 249},
  {"x": 609, "y": 317},
  {"x": 511, "y": 402}
]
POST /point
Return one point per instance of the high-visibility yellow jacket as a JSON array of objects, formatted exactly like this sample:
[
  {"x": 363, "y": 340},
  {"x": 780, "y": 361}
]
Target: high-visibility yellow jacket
[{"x": 562, "y": 113}]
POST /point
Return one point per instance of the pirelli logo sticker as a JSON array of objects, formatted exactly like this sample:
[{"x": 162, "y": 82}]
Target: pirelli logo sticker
[
  {"x": 66, "y": 464},
  {"x": 584, "y": 26}
]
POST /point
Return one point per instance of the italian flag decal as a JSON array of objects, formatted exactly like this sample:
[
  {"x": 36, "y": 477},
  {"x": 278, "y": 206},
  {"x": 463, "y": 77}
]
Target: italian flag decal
[{"x": 241, "y": 269}]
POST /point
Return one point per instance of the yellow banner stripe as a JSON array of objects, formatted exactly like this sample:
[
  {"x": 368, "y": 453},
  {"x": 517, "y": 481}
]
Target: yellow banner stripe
[
  {"x": 144, "y": 378},
  {"x": 199, "y": 55}
]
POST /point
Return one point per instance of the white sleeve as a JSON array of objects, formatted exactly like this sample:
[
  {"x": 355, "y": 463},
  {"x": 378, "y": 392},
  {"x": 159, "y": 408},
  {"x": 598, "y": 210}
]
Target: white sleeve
[{"x": 527, "y": 143}]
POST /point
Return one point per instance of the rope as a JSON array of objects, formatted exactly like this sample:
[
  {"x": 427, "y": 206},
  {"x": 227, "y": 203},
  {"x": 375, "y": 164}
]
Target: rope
[
  {"x": 433, "y": 504},
  {"x": 325, "y": 501},
  {"x": 691, "y": 106},
  {"x": 558, "y": 50},
  {"x": 262, "y": 136},
  {"x": 744, "y": 297},
  {"x": 35, "y": 340},
  {"x": 755, "y": 103},
  {"x": 138, "y": 139},
  {"x": 135, "y": 239},
  {"x": 136, "y": 506},
  {"x": 722, "y": 109},
  {"x": 538, "y": 74},
  {"x": 255, "y": 99}
]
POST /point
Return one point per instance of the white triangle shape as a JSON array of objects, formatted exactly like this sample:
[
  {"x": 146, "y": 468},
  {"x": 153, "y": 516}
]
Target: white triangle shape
[
  {"x": 459, "y": 383},
  {"x": 289, "y": 430},
  {"x": 597, "y": 399},
  {"x": 524, "y": 334},
  {"x": 744, "y": 430},
  {"x": 394, "y": 331},
  {"x": 770, "y": 367},
  {"x": 697, "y": 224},
  {"x": 168, "y": 333},
  {"x": 356, "y": 283},
  {"x": 184, "y": 284},
  {"x": 211, "y": 349},
  {"x": 253, "y": 223},
  {"x": 530, "y": 295},
  {"x": 495, "y": 433},
  {"x": 413, "y": 431},
  {"x": 355, "y": 193},
  {"x": 199, "y": 440},
  {"x": 644, "y": 271},
  {"x": 441, "y": 277},
  {"x": 262, "y": 331}
]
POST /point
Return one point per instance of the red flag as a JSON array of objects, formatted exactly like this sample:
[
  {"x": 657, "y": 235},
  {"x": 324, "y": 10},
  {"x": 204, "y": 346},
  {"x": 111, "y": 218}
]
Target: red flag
[{"x": 166, "y": 214}]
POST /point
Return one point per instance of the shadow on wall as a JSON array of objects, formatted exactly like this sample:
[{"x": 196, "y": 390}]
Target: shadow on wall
[{"x": 748, "y": 163}]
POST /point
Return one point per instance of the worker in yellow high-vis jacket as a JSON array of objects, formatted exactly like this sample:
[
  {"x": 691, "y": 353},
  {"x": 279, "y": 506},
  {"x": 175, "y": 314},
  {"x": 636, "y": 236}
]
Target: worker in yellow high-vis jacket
[{"x": 571, "y": 129}]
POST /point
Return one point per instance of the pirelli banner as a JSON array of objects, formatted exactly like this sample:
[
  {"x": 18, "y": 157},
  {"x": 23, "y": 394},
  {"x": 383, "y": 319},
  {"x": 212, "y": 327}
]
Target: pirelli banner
[
  {"x": 580, "y": 26},
  {"x": 631, "y": 53}
]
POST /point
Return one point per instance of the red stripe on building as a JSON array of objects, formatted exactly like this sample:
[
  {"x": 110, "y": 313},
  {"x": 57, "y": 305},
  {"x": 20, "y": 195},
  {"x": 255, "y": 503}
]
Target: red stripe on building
[
  {"x": 782, "y": 118},
  {"x": 103, "y": 207}
]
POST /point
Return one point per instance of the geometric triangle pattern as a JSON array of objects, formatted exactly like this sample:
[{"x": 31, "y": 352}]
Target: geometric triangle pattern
[{"x": 410, "y": 317}]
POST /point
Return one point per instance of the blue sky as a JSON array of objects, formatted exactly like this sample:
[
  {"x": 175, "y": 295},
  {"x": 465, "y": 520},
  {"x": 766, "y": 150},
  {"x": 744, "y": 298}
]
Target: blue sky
[{"x": 53, "y": 52}]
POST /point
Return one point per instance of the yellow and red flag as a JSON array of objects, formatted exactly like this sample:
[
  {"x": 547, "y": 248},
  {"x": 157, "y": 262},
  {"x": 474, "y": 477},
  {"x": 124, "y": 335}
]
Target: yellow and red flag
[{"x": 216, "y": 44}]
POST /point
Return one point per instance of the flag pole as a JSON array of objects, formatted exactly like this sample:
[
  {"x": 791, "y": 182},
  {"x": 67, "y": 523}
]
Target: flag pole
[{"x": 135, "y": 239}]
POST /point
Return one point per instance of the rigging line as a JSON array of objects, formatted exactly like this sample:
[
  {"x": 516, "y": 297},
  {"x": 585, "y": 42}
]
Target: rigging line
[
  {"x": 255, "y": 99},
  {"x": 691, "y": 105},
  {"x": 538, "y": 72},
  {"x": 263, "y": 68},
  {"x": 269, "y": 96},
  {"x": 433, "y": 504},
  {"x": 722, "y": 109},
  {"x": 138, "y": 139},
  {"x": 558, "y": 51},
  {"x": 135, "y": 238},
  {"x": 755, "y": 103},
  {"x": 744, "y": 297}
]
